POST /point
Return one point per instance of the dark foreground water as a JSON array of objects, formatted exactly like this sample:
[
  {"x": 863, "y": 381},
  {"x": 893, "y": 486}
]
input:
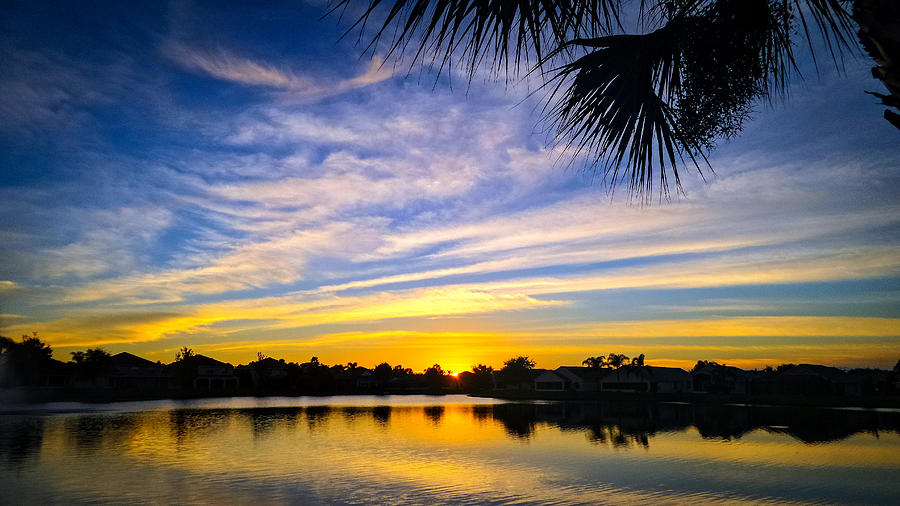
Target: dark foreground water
[{"x": 451, "y": 449}]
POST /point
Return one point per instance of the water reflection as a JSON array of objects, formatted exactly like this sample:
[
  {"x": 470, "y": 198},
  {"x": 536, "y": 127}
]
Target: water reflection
[
  {"x": 381, "y": 414},
  {"x": 434, "y": 414},
  {"x": 453, "y": 452},
  {"x": 317, "y": 416},
  {"x": 20, "y": 439},
  {"x": 623, "y": 422}
]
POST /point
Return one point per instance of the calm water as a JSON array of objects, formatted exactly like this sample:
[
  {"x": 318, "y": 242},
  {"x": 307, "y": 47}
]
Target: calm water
[{"x": 445, "y": 450}]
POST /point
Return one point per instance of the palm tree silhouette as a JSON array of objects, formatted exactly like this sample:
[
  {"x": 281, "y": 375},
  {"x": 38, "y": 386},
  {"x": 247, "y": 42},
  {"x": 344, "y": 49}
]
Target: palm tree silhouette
[
  {"x": 637, "y": 366},
  {"x": 594, "y": 362},
  {"x": 616, "y": 361},
  {"x": 638, "y": 105},
  {"x": 878, "y": 34}
]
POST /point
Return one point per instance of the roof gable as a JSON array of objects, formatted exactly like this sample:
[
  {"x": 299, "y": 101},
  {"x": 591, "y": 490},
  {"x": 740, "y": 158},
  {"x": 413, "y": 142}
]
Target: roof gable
[
  {"x": 666, "y": 373},
  {"x": 130, "y": 360},
  {"x": 208, "y": 361},
  {"x": 549, "y": 376},
  {"x": 583, "y": 373},
  {"x": 823, "y": 371}
]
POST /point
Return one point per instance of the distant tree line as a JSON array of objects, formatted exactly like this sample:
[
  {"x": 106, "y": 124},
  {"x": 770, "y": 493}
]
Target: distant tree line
[{"x": 29, "y": 362}]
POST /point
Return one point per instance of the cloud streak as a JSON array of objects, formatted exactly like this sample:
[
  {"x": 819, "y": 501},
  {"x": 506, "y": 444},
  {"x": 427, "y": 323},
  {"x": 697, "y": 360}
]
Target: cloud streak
[{"x": 222, "y": 64}]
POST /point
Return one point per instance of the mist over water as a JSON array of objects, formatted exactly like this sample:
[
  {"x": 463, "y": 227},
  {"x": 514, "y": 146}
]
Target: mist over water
[{"x": 420, "y": 449}]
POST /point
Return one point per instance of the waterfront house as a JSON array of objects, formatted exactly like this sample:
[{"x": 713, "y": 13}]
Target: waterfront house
[
  {"x": 549, "y": 381},
  {"x": 582, "y": 379},
  {"x": 132, "y": 371},
  {"x": 811, "y": 379},
  {"x": 722, "y": 379},
  {"x": 871, "y": 381},
  {"x": 668, "y": 379},
  {"x": 210, "y": 374},
  {"x": 520, "y": 381},
  {"x": 365, "y": 378},
  {"x": 646, "y": 379},
  {"x": 264, "y": 373}
]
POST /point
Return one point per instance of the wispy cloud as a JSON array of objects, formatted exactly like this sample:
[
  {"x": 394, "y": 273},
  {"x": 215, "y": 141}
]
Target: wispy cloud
[
  {"x": 277, "y": 260},
  {"x": 111, "y": 243},
  {"x": 225, "y": 65},
  {"x": 93, "y": 326}
]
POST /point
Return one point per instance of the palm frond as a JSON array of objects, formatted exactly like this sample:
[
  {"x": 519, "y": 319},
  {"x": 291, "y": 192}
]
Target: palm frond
[
  {"x": 610, "y": 106},
  {"x": 833, "y": 22},
  {"x": 506, "y": 32},
  {"x": 722, "y": 82},
  {"x": 638, "y": 106}
]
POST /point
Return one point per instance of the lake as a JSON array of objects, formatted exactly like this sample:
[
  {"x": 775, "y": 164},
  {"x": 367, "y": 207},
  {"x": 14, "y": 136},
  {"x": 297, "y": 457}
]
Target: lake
[{"x": 445, "y": 449}]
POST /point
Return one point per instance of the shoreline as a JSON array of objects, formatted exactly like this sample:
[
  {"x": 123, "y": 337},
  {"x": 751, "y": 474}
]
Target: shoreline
[
  {"x": 38, "y": 396},
  {"x": 811, "y": 401}
]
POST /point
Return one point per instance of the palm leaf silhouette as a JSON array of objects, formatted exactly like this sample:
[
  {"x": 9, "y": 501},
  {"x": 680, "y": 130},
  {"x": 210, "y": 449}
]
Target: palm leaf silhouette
[{"x": 636, "y": 106}]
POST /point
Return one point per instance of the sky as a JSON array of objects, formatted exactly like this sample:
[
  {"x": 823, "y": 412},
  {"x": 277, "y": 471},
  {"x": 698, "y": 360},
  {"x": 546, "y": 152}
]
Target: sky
[{"x": 240, "y": 179}]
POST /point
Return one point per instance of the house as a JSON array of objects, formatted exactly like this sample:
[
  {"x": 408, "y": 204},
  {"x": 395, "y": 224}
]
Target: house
[
  {"x": 582, "y": 379},
  {"x": 871, "y": 381},
  {"x": 811, "y": 379},
  {"x": 132, "y": 371},
  {"x": 210, "y": 374},
  {"x": 516, "y": 380},
  {"x": 625, "y": 379},
  {"x": 365, "y": 378},
  {"x": 646, "y": 379},
  {"x": 45, "y": 373},
  {"x": 356, "y": 378},
  {"x": 265, "y": 373},
  {"x": 722, "y": 379},
  {"x": 668, "y": 379},
  {"x": 549, "y": 381},
  {"x": 571, "y": 379}
]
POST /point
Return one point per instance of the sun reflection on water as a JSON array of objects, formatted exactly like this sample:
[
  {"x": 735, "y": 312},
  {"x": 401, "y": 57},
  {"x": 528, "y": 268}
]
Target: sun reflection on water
[{"x": 446, "y": 452}]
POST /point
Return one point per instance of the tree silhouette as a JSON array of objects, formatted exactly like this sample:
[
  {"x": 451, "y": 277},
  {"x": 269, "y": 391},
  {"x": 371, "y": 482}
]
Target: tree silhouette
[
  {"x": 383, "y": 372},
  {"x": 704, "y": 363},
  {"x": 878, "y": 33},
  {"x": 616, "y": 361},
  {"x": 636, "y": 104},
  {"x": 184, "y": 366},
  {"x": 24, "y": 362},
  {"x": 594, "y": 362},
  {"x": 517, "y": 370},
  {"x": 184, "y": 354},
  {"x": 434, "y": 377},
  {"x": 482, "y": 377},
  {"x": 520, "y": 363},
  {"x": 637, "y": 366},
  {"x": 93, "y": 363},
  {"x": 400, "y": 371}
]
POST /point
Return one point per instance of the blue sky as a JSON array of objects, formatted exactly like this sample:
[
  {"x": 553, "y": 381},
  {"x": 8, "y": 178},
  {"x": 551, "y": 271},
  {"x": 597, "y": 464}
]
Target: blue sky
[{"x": 240, "y": 179}]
